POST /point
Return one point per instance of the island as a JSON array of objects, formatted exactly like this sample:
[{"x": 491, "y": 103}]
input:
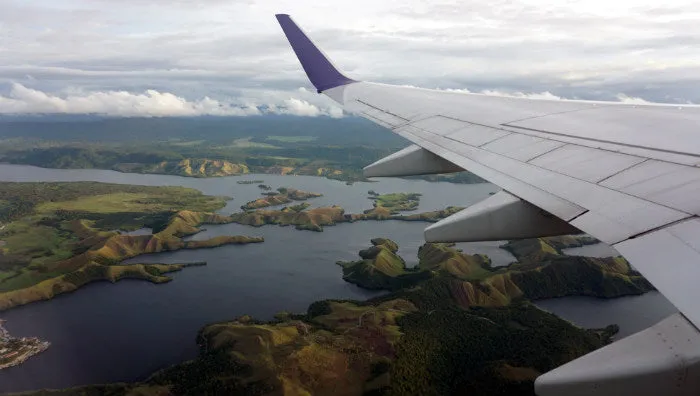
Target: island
[
  {"x": 57, "y": 237},
  {"x": 386, "y": 207},
  {"x": 427, "y": 336},
  {"x": 251, "y": 182},
  {"x": 282, "y": 196},
  {"x": 396, "y": 202},
  {"x": 14, "y": 351}
]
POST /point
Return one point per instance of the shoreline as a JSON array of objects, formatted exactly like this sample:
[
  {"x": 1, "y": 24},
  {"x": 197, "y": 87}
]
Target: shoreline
[{"x": 20, "y": 353}]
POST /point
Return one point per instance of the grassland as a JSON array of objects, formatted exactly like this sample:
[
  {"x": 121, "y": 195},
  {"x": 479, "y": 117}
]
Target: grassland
[{"x": 54, "y": 232}]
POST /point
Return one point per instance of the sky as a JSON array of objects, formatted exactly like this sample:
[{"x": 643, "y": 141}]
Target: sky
[{"x": 230, "y": 57}]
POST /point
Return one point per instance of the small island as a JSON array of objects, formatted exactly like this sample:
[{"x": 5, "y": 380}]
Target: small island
[
  {"x": 15, "y": 351},
  {"x": 282, "y": 196},
  {"x": 394, "y": 203},
  {"x": 314, "y": 219},
  {"x": 250, "y": 181}
]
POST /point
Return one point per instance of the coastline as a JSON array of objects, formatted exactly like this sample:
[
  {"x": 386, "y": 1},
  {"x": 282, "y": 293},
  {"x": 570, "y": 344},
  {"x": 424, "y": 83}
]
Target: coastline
[{"x": 15, "y": 351}]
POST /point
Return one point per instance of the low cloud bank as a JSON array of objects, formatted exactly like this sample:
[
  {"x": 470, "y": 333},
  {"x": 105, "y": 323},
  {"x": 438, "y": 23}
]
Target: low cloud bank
[{"x": 151, "y": 103}]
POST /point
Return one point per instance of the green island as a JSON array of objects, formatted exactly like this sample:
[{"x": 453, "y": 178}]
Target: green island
[
  {"x": 315, "y": 219},
  {"x": 396, "y": 202},
  {"x": 282, "y": 196},
  {"x": 206, "y": 147},
  {"x": 57, "y": 237},
  {"x": 461, "y": 327}
]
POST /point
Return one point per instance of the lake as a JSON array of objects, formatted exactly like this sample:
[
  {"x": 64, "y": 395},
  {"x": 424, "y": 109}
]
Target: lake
[{"x": 125, "y": 331}]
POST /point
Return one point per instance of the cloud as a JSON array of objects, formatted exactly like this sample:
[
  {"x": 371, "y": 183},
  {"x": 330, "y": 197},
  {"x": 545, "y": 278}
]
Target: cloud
[
  {"x": 631, "y": 100},
  {"x": 226, "y": 49},
  {"x": 150, "y": 103}
]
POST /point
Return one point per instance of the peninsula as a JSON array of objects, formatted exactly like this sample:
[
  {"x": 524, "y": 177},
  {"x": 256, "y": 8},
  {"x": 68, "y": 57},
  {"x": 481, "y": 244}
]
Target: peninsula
[
  {"x": 14, "y": 351},
  {"x": 58, "y": 237}
]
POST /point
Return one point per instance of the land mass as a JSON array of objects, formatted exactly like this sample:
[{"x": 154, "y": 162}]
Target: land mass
[
  {"x": 15, "y": 351},
  {"x": 59, "y": 236},
  {"x": 284, "y": 195},
  {"x": 217, "y": 150},
  {"x": 420, "y": 339},
  {"x": 386, "y": 207},
  {"x": 191, "y": 167}
]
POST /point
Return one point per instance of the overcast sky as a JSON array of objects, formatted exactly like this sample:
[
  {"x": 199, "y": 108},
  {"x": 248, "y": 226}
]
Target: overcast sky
[{"x": 180, "y": 57}]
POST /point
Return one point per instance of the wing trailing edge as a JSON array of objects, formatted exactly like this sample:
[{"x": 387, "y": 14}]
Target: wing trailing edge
[
  {"x": 501, "y": 216},
  {"x": 661, "y": 360}
]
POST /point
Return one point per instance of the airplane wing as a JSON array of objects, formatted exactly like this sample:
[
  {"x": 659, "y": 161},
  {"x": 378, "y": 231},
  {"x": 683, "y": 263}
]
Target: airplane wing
[{"x": 626, "y": 174}]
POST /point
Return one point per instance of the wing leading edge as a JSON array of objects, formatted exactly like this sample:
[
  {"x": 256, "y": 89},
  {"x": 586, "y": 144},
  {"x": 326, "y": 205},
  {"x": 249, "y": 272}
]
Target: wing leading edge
[{"x": 626, "y": 174}]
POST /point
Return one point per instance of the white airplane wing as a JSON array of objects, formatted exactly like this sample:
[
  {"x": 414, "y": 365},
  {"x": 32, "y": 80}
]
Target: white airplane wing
[{"x": 626, "y": 174}]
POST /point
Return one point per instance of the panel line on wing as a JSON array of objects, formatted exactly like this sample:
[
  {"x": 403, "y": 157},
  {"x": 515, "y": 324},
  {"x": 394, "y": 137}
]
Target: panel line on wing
[
  {"x": 592, "y": 106},
  {"x": 590, "y": 139},
  {"x": 622, "y": 171},
  {"x": 615, "y": 214},
  {"x": 620, "y": 165},
  {"x": 380, "y": 109}
]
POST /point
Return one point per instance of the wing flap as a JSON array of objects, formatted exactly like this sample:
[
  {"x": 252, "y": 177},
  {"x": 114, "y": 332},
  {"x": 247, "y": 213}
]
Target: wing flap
[{"x": 669, "y": 258}]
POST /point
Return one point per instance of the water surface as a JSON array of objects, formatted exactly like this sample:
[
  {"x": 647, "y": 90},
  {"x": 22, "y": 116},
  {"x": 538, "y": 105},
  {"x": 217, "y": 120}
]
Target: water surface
[{"x": 125, "y": 331}]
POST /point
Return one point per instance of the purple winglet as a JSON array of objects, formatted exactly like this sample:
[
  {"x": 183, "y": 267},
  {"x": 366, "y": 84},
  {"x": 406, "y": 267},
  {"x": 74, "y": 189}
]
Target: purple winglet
[{"x": 318, "y": 68}]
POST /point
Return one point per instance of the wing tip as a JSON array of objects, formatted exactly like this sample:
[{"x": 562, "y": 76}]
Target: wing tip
[{"x": 320, "y": 70}]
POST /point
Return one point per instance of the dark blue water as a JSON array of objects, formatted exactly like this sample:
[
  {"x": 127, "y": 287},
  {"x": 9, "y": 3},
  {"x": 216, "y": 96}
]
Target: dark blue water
[{"x": 123, "y": 332}]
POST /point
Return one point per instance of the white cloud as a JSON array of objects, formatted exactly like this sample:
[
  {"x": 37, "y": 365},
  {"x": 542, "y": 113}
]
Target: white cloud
[
  {"x": 631, "y": 100},
  {"x": 590, "y": 49},
  {"x": 151, "y": 103}
]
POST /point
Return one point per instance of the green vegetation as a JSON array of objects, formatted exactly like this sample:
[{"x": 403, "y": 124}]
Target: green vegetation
[
  {"x": 199, "y": 167},
  {"x": 421, "y": 339},
  {"x": 299, "y": 216},
  {"x": 316, "y": 218},
  {"x": 53, "y": 233},
  {"x": 396, "y": 202},
  {"x": 204, "y": 147},
  {"x": 381, "y": 268},
  {"x": 284, "y": 195}
]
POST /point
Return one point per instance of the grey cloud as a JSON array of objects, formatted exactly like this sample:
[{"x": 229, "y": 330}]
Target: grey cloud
[{"x": 225, "y": 49}]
